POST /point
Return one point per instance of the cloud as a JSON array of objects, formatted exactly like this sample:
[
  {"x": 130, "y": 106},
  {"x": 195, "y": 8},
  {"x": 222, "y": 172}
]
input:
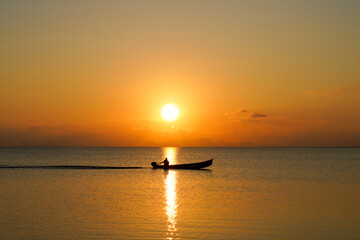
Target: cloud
[
  {"x": 327, "y": 91},
  {"x": 258, "y": 115},
  {"x": 348, "y": 88},
  {"x": 243, "y": 114}
]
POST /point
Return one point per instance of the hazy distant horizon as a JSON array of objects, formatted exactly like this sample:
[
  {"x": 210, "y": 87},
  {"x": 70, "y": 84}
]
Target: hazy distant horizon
[{"x": 84, "y": 146}]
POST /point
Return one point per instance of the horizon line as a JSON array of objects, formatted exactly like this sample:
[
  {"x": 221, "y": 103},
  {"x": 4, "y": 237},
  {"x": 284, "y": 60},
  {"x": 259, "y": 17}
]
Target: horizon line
[{"x": 20, "y": 146}]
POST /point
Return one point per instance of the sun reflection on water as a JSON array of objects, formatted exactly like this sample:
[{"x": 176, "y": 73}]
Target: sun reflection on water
[
  {"x": 171, "y": 203},
  {"x": 170, "y": 194},
  {"x": 170, "y": 153}
]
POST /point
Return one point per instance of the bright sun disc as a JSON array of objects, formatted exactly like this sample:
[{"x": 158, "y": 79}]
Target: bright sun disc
[{"x": 170, "y": 112}]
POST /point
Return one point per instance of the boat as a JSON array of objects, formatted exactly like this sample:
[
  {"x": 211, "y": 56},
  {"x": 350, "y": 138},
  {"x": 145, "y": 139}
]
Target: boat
[{"x": 197, "y": 165}]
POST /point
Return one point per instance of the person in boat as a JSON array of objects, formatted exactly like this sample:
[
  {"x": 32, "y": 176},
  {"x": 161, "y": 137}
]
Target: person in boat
[{"x": 166, "y": 163}]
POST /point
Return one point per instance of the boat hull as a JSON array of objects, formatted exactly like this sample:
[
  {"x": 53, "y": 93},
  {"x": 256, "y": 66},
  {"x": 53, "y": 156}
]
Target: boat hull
[{"x": 197, "y": 165}]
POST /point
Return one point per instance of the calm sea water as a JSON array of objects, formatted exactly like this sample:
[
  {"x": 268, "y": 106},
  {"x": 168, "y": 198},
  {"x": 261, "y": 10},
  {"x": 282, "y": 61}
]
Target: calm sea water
[{"x": 248, "y": 193}]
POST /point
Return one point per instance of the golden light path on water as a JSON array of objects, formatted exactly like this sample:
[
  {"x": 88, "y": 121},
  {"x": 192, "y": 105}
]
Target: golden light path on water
[
  {"x": 170, "y": 194},
  {"x": 170, "y": 153}
]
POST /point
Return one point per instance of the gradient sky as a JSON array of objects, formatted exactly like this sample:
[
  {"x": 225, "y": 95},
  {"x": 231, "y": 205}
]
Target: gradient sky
[{"x": 243, "y": 73}]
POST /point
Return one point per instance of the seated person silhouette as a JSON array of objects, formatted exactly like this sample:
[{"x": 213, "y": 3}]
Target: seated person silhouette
[{"x": 166, "y": 163}]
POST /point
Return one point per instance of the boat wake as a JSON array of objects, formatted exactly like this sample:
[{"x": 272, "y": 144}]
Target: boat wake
[{"x": 68, "y": 167}]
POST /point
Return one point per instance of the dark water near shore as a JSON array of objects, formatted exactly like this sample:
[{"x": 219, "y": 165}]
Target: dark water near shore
[{"x": 248, "y": 193}]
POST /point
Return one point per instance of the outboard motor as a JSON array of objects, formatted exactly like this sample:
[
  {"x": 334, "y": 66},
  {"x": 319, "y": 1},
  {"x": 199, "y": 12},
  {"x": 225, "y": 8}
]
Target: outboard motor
[{"x": 153, "y": 164}]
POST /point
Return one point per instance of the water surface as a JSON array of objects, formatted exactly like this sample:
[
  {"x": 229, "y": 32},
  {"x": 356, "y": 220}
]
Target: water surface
[{"x": 248, "y": 193}]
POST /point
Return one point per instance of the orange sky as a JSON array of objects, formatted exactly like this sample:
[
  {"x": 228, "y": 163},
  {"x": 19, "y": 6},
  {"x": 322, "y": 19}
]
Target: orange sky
[{"x": 242, "y": 73}]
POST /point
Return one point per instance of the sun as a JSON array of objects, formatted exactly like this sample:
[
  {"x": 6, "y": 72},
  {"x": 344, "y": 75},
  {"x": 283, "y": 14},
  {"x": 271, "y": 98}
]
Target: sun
[{"x": 170, "y": 112}]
